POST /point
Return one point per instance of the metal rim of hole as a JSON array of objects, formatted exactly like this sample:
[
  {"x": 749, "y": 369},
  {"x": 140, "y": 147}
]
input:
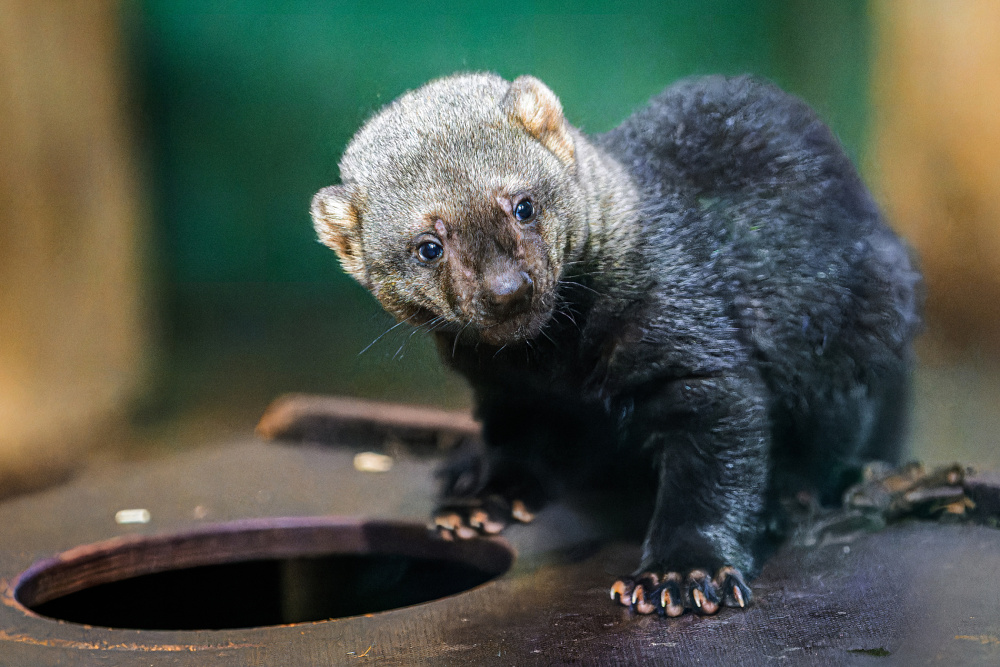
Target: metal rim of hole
[{"x": 125, "y": 557}]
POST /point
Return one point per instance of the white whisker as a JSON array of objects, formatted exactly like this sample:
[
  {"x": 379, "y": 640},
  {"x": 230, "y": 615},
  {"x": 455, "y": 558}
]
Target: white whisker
[{"x": 382, "y": 335}]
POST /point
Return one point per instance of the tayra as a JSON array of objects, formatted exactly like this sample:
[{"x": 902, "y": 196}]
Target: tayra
[{"x": 704, "y": 302}]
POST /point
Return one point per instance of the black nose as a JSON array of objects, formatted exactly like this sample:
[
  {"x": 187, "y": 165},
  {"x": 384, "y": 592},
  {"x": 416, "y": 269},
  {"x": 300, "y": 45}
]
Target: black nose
[{"x": 509, "y": 293}]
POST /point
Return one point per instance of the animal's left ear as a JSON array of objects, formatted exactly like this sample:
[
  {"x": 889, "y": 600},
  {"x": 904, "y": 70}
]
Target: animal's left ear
[{"x": 534, "y": 106}]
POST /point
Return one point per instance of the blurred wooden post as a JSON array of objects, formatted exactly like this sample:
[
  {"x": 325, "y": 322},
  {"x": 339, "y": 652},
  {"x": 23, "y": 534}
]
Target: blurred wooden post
[
  {"x": 937, "y": 156},
  {"x": 72, "y": 338}
]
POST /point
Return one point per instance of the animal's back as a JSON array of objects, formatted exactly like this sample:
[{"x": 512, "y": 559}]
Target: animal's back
[{"x": 756, "y": 190}]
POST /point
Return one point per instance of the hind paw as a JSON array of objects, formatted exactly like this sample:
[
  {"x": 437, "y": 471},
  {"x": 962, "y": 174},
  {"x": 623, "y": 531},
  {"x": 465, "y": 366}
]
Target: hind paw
[
  {"x": 468, "y": 518},
  {"x": 670, "y": 593}
]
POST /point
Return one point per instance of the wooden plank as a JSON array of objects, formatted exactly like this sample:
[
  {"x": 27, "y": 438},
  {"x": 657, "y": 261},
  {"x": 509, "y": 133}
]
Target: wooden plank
[{"x": 339, "y": 419}]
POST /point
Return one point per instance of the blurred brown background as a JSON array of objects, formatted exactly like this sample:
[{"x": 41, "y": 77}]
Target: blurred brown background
[
  {"x": 158, "y": 278},
  {"x": 935, "y": 162},
  {"x": 74, "y": 340}
]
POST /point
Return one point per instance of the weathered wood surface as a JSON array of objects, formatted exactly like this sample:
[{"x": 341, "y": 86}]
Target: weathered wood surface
[{"x": 924, "y": 593}]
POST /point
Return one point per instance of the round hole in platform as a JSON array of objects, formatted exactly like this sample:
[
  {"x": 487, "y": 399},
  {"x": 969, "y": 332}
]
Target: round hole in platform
[{"x": 256, "y": 573}]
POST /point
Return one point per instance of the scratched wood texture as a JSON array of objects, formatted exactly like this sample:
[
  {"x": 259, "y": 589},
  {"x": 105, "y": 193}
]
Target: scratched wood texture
[{"x": 917, "y": 593}]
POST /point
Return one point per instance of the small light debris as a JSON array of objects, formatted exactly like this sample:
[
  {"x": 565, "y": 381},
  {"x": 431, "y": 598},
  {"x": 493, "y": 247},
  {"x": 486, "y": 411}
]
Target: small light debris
[
  {"x": 372, "y": 462},
  {"x": 200, "y": 512},
  {"x": 132, "y": 516}
]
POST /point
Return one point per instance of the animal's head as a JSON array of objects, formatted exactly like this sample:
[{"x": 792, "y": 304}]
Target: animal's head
[{"x": 459, "y": 200}]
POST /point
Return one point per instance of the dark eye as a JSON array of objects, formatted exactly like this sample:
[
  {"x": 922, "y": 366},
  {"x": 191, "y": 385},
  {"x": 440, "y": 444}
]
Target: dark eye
[
  {"x": 524, "y": 210},
  {"x": 428, "y": 251}
]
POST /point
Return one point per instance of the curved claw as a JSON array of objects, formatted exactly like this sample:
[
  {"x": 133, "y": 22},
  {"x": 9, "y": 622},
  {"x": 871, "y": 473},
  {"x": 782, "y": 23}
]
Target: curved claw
[
  {"x": 621, "y": 593},
  {"x": 520, "y": 511},
  {"x": 671, "y": 600},
  {"x": 732, "y": 588},
  {"x": 639, "y": 602},
  {"x": 702, "y": 593}
]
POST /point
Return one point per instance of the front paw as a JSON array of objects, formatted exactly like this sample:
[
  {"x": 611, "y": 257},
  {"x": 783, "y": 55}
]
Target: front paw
[
  {"x": 670, "y": 593},
  {"x": 467, "y": 518}
]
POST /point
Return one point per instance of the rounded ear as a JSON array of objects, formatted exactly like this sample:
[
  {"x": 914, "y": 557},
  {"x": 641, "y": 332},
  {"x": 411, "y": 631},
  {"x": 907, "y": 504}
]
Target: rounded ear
[
  {"x": 537, "y": 109},
  {"x": 335, "y": 218}
]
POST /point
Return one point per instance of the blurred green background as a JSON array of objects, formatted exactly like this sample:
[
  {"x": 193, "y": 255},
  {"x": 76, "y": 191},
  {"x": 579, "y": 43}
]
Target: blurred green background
[
  {"x": 245, "y": 109},
  {"x": 160, "y": 282}
]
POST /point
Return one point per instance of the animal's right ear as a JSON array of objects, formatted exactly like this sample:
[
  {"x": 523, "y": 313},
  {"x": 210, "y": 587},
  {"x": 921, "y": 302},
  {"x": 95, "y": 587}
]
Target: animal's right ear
[
  {"x": 335, "y": 218},
  {"x": 532, "y": 104}
]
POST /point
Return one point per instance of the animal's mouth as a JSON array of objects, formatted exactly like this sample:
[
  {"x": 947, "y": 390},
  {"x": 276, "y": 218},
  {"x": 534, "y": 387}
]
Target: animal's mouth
[{"x": 525, "y": 325}]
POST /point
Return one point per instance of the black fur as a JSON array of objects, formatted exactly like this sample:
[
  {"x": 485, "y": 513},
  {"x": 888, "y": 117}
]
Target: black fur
[{"x": 754, "y": 339}]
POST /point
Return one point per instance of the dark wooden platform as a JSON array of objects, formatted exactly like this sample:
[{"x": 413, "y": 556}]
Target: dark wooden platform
[{"x": 916, "y": 593}]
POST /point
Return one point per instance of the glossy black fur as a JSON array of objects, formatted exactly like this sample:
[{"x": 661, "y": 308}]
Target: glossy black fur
[{"x": 754, "y": 339}]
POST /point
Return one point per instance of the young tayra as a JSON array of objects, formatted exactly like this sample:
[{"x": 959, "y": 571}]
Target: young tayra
[{"x": 704, "y": 302}]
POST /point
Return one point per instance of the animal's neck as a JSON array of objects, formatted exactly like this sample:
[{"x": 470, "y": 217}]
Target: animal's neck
[{"x": 611, "y": 201}]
